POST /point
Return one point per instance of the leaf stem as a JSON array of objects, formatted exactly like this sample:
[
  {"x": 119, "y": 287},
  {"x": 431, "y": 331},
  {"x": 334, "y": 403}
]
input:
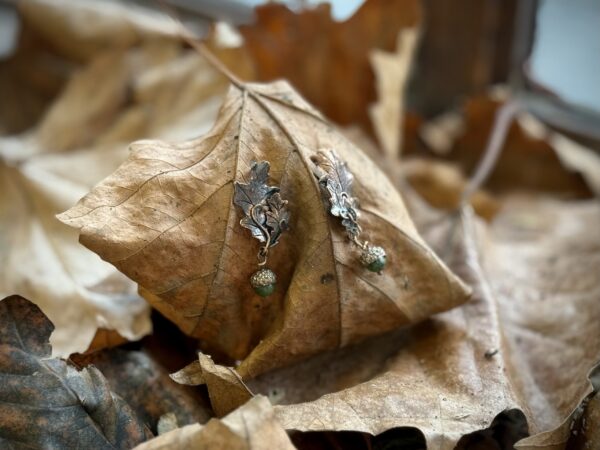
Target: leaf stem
[
  {"x": 493, "y": 149},
  {"x": 201, "y": 47}
]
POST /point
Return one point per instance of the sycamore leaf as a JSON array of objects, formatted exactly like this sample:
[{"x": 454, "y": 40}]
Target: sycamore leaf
[
  {"x": 46, "y": 403},
  {"x": 251, "y": 427},
  {"x": 525, "y": 342},
  {"x": 166, "y": 219}
]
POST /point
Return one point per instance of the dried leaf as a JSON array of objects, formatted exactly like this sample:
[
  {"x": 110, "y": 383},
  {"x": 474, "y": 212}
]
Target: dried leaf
[
  {"x": 392, "y": 71},
  {"x": 79, "y": 30},
  {"x": 251, "y": 427},
  {"x": 226, "y": 389},
  {"x": 144, "y": 384},
  {"x": 120, "y": 94},
  {"x": 328, "y": 61},
  {"x": 441, "y": 185},
  {"x": 511, "y": 348},
  {"x": 166, "y": 219},
  {"x": 41, "y": 258},
  {"x": 46, "y": 403}
]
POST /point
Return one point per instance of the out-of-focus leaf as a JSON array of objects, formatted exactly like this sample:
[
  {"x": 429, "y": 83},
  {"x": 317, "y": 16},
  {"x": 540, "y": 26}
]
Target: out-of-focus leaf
[
  {"x": 526, "y": 163},
  {"x": 79, "y": 30},
  {"x": 441, "y": 185},
  {"x": 147, "y": 86},
  {"x": 391, "y": 72},
  {"x": 328, "y": 61},
  {"x": 46, "y": 403},
  {"x": 251, "y": 427}
]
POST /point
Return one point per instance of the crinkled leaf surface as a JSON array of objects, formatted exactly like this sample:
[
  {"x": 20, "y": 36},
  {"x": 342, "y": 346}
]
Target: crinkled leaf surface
[
  {"x": 250, "y": 427},
  {"x": 525, "y": 344},
  {"x": 46, "y": 403},
  {"x": 166, "y": 219}
]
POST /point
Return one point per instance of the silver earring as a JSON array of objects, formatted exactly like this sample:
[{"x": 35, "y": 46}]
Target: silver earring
[
  {"x": 336, "y": 182},
  {"x": 266, "y": 216}
]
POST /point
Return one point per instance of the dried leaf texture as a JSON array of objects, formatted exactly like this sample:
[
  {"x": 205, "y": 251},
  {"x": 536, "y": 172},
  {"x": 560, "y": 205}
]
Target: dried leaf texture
[
  {"x": 166, "y": 219},
  {"x": 45, "y": 403},
  {"x": 128, "y": 86},
  {"x": 510, "y": 347},
  {"x": 251, "y": 427}
]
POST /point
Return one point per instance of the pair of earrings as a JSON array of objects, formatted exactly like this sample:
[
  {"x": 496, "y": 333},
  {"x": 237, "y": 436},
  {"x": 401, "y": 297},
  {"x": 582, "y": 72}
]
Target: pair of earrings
[{"x": 267, "y": 216}]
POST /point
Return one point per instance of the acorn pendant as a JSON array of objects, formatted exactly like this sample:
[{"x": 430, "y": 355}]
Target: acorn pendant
[
  {"x": 373, "y": 258},
  {"x": 266, "y": 216},
  {"x": 263, "y": 282}
]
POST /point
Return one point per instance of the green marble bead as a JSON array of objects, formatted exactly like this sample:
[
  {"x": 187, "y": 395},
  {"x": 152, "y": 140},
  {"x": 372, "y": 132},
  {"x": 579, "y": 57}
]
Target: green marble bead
[
  {"x": 377, "y": 265},
  {"x": 264, "y": 291}
]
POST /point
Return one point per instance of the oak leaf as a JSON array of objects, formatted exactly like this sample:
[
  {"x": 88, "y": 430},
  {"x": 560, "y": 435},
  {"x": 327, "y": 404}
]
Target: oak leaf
[
  {"x": 166, "y": 219},
  {"x": 47, "y": 403},
  {"x": 328, "y": 61}
]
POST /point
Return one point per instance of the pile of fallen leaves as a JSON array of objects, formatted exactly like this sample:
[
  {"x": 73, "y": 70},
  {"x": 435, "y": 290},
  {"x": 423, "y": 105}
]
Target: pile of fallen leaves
[{"x": 481, "y": 333}]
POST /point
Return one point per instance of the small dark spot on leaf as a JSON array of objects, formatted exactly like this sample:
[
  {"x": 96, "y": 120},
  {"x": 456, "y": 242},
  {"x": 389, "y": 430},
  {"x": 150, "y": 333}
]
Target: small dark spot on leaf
[
  {"x": 490, "y": 353},
  {"x": 327, "y": 278}
]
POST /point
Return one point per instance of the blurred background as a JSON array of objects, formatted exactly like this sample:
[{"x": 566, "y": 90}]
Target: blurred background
[{"x": 547, "y": 50}]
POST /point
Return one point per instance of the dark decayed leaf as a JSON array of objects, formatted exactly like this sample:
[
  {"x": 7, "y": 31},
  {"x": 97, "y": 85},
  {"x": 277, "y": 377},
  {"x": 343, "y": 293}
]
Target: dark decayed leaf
[
  {"x": 46, "y": 403},
  {"x": 140, "y": 379}
]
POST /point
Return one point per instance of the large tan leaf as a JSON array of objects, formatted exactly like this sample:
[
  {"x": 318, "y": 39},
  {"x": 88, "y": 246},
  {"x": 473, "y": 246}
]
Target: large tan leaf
[
  {"x": 526, "y": 341},
  {"x": 165, "y": 218},
  {"x": 251, "y": 427}
]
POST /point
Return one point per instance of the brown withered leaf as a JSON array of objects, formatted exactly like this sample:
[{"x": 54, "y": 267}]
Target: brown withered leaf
[
  {"x": 226, "y": 389},
  {"x": 524, "y": 343},
  {"x": 46, "y": 403},
  {"x": 251, "y": 427},
  {"x": 328, "y": 61},
  {"x": 140, "y": 379},
  {"x": 165, "y": 218},
  {"x": 441, "y": 184}
]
